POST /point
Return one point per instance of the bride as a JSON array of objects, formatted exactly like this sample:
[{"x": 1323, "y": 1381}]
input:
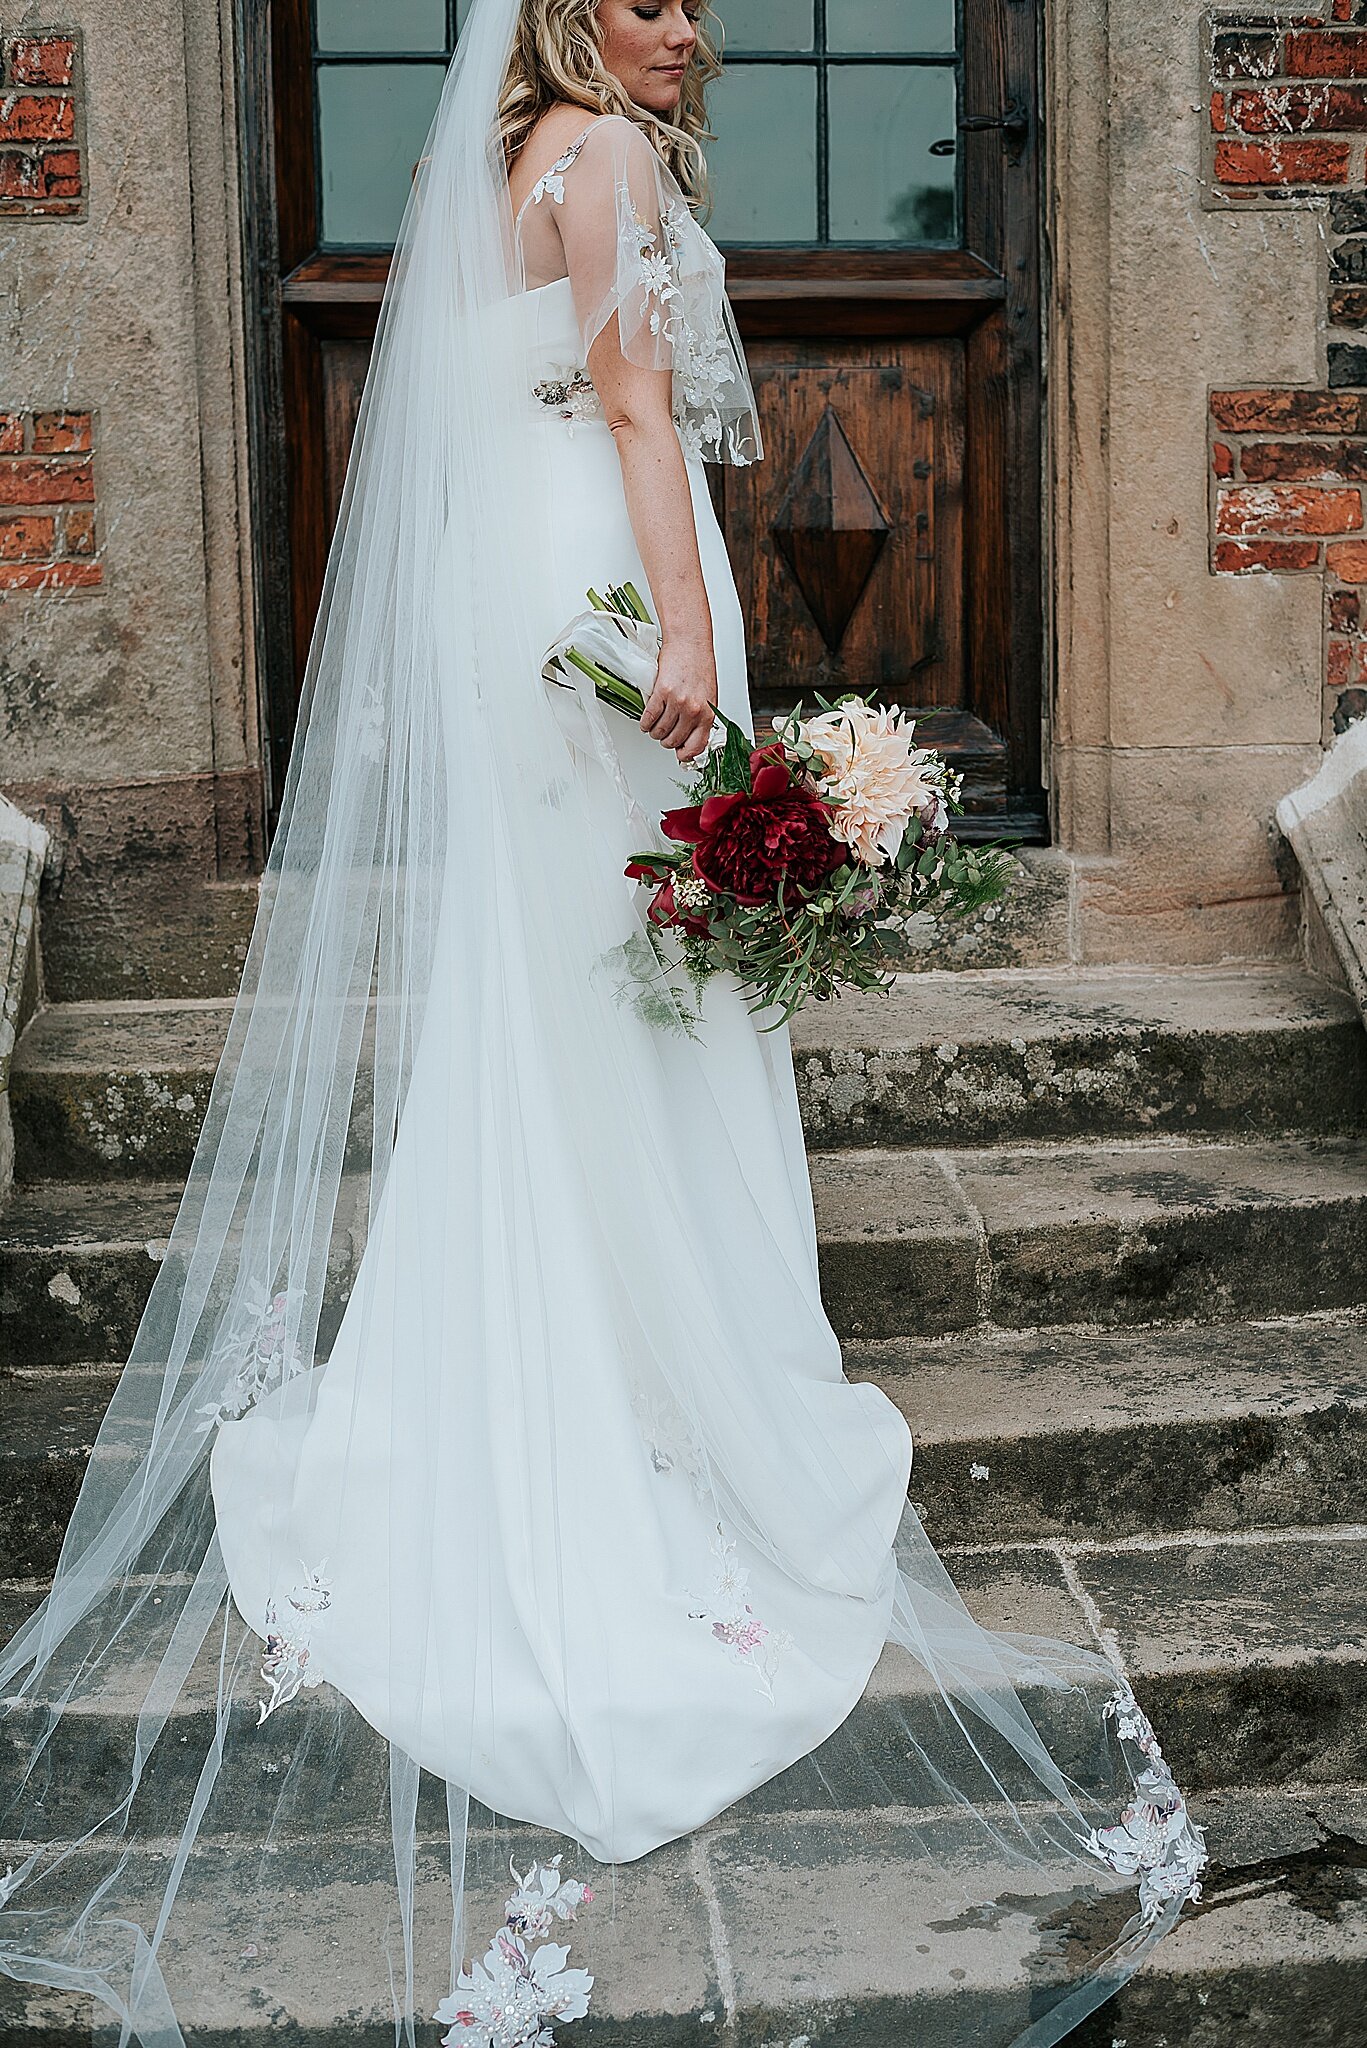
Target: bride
[{"x": 484, "y": 1436}]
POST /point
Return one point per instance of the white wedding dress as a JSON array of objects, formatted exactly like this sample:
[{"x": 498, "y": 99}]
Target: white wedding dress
[
  {"x": 484, "y": 1420},
  {"x": 645, "y": 1666}
]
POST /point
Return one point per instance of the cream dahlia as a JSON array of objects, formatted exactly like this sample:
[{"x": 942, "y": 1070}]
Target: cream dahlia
[{"x": 876, "y": 777}]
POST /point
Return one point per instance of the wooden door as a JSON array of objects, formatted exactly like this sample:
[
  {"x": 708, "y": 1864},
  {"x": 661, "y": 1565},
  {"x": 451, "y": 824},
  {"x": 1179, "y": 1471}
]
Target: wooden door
[{"x": 877, "y": 193}]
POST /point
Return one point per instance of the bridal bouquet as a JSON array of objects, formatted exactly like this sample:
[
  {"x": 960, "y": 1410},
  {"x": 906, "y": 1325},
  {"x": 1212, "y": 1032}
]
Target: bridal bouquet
[{"x": 791, "y": 863}]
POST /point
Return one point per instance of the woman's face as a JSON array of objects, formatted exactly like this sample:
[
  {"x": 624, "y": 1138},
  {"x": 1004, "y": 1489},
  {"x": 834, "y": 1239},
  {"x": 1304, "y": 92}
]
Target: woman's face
[{"x": 646, "y": 45}]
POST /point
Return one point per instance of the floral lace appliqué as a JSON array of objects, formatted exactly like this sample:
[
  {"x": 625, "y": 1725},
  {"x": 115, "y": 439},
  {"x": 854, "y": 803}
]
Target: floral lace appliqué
[
  {"x": 679, "y": 275},
  {"x": 733, "y": 1621},
  {"x": 667, "y": 1436},
  {"x": 703, "y": 360},
  {"x": 257, "y": 1347},
  {"x": 552, "y": 183},
  {"x": 1155, "y": 1838},
  {"x": 290, "y": 1663},
  {"x": 513, "y": 1997},
  {"x": 570, "y": 393}
]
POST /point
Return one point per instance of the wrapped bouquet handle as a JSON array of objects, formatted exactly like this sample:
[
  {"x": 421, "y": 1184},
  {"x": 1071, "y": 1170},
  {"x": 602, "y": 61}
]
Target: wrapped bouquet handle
[
  {"x": 610, "y": 655},
  {"x": 606, "y": 648}
]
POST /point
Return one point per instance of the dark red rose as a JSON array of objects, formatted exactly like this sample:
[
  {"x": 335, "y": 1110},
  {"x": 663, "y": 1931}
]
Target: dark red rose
[{"x": 747, "y": 842}]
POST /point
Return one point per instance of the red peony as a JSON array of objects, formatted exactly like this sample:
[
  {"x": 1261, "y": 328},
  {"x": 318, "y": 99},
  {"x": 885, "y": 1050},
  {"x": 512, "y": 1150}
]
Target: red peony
[{"x": 747, "y": 842}]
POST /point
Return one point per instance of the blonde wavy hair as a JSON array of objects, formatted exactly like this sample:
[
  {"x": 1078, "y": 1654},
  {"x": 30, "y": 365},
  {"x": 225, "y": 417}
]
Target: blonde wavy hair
[{"x": 555, "y": 58}]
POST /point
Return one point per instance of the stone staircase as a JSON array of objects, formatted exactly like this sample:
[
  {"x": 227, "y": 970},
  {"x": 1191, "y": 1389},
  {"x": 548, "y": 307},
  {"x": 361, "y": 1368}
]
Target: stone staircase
[{"x": 1103, "y": 1238}]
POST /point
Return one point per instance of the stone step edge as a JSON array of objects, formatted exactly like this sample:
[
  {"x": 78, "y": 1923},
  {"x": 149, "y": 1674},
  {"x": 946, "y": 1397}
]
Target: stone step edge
[
  {"x": 1354, "y": 1316},
  {"x": 1058, "y": 1546},
  {"x": 1292, "y": 1793},
  {"x": 161, "y": 1197},
  {"x": 915, "y": 986},
  {"x": 1063, "y": 1550},
  {"x": 863, "y": 1367},
  {"x": 828, "y": 1068},
  {"x": 1264, "y": 1950}
]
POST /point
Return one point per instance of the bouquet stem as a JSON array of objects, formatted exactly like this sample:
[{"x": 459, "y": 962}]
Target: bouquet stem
[{"x": 614, "y": 690}]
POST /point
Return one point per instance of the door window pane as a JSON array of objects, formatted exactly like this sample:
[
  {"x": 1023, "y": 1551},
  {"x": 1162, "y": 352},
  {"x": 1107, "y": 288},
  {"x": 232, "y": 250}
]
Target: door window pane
[
  {"x": 885, "y": 184},
  {"x": 890, "y": 25},
  {"x": 813, "y": 75},
  {"x": 381, "y": 25},
  {"x": 768, "y": 24},
  {"x": 373, "y": 121},
  {"x": 763, "y": 162}
]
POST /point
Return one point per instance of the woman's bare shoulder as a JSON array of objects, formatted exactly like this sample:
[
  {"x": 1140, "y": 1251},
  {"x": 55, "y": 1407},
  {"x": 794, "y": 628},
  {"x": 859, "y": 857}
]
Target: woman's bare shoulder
[{"x": 555, "y": 130}]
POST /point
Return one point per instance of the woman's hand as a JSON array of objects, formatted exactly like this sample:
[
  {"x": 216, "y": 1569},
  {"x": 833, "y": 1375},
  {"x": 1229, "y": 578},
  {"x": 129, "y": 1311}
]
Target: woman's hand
[{"x": 679, "y": 710}]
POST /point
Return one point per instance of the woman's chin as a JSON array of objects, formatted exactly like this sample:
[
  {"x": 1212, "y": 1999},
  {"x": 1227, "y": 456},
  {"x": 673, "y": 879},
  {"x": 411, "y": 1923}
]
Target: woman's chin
[{"x": 660, "y": 99}]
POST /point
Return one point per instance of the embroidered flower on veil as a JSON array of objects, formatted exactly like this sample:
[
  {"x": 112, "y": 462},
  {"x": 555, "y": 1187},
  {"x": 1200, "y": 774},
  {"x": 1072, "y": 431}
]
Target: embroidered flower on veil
[
  {"x": 289, "y": 1663},
  {"x": 542, "y": 1897},
  {"x": 1155, "y": 1838},
  {"x": 255, "y": 1343},
  {"x": 511, "y": 1997}
]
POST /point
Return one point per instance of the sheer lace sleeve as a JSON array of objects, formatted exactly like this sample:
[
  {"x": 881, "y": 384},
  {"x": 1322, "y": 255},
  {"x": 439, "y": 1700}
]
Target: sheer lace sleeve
[{"x": 636, "y": 257}]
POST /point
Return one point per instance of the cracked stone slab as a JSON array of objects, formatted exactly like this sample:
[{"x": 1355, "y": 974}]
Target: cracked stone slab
[
  {"x": 762, "y": 1930},
  {"x": 973, "y": 1059},
  {"x": 898, "y": 1948},
  {"x": 1127, "y": 1232},
  {"x": 898, "y": 1243},
  {"x": 244, "y": 1964},
  {"x": 89, "y": 1751},
  {"x": 1270, "y": 1635},
  {"x": 1136, "y": 1230},
  {"x": 1195, "y": 1699}
]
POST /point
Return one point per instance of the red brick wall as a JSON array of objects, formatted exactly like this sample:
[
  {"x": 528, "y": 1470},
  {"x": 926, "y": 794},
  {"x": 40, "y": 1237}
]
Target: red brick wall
[
  {"x": 42, "y": 129},
  {"x": 48, "y": 537},
  {"x": 1288, "y": 119}
]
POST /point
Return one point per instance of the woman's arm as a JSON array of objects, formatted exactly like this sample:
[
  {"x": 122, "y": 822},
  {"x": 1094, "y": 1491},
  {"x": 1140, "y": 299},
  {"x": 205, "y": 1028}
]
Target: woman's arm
[{"x": 638, "y": 403}]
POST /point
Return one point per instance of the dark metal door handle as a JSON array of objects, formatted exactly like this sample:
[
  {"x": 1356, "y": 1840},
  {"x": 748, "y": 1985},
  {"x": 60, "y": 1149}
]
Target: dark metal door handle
[{"x": 1014, "y": 124}]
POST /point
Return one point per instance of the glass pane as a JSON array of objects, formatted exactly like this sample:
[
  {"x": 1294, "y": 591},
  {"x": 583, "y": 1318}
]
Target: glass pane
[
  {"x": 382, "y": 25},
  {"x": 885, "y": 184},
  {"x": 768, "y": 24},
  {"x": 763, "y": 162},
  {"x": 373, "y": 121},
  {"x": 889, "y": 24}
]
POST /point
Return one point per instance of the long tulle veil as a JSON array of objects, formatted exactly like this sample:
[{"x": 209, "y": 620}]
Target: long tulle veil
[{"x": 182, "y": 1805}]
